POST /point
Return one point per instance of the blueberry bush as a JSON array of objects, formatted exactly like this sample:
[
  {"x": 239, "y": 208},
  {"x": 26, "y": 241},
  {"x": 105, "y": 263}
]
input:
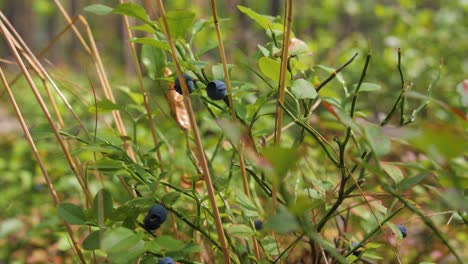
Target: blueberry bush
[{"x": 279, "y": 153}]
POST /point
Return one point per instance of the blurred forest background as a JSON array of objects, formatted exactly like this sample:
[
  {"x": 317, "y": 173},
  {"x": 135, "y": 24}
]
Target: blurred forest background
[{"x": 429, "y": 32}]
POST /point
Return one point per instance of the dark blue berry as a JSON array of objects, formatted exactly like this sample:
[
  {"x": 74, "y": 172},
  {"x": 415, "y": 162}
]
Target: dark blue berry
[
  {"x": 150, "y": 225},
  {"x": 155, "y": 217},
  {"x": 216, "y": 90},
  {"x": 403, "y": 230},
  {"x": 190, "y": 84},
  {"x": 38, "y": 187},
  {"x": 258, "y": 224},
  {"x": 166, "y": 260},
  {"x": 356, "y": 252}
]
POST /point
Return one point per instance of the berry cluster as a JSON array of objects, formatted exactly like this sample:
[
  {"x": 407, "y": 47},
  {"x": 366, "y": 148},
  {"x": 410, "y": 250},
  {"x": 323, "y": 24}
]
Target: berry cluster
[{"x": 216, "y": 90}]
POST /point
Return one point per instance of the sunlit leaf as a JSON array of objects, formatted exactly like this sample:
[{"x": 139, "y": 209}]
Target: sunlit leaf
[
  {"x": 377, "y": 140},
  {"x": 368, "y": 87},
  {"x": 154, "y": 60},
  {"x": 132, "y": 10},
  {"x": 98, "y": 9},
  {"x": 103, "y": 204},
  {"x": 266, "y": 22},
  {"x": 393, "y": 171},
  {"x": 152, "y": 42},
  {"x": 103, "y": 106},
  {"x": 271, "y": 68},
  {"x": 241, "y": 231},
  {"x": 180, "y": 22},
  {"x": 303, "y": 89}
]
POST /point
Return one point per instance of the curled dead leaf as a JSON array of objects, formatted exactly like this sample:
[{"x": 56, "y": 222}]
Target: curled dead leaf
[
  {"x": 187, "y": 182},
  {"x": 177, "y": 106}
]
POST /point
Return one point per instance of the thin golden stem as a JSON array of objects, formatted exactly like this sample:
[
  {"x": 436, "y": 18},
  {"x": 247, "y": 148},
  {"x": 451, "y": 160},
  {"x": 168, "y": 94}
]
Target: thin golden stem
[
  {"x": 44, "y": 108},
  {"x": 47, "y": 48},
  {"x": 30, "y": 140},
  {"x": 110, "y": 96},
  {"x": 193, "y": 123},
  {"x": 282, "y": 79},
  {"x": 106, "y": 86},
  {"x": 69, "y": 21},
  {"x": 43, "y": 74},
  {"x": 222, "y": 54},
  {"x": 142, "y": 90}
]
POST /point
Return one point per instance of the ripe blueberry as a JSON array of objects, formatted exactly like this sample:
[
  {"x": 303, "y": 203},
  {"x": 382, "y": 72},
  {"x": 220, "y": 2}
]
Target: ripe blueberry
[
  {"x": 155, "y": 217},
  {"x": 356, "y": 252},
  {"x": 216, "y": 90},
  {"x": 258, "y": 224},
  {"x": 166, "y": 260},
  {"x": 190, "y": 84},
  {"x": 403, "y": 230}
]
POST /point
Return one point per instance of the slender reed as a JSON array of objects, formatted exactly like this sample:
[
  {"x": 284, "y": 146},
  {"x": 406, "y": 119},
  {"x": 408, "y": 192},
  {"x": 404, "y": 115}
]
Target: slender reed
[
  {"x": 240, "y": 146},
  {"x": 8, "y": 37},
  {"x": 193, "y": 123},
  {"x": 283, "y": 69},
  {"x": 50, "y": 186}
]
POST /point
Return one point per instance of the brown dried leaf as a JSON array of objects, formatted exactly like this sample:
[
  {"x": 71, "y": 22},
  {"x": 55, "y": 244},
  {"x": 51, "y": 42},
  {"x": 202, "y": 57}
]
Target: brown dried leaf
[{"x": 177, "y": 106}]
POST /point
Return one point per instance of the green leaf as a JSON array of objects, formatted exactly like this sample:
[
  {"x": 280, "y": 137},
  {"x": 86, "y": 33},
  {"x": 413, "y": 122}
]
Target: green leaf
[
  {"x": 103, "y": 106},
  {"x": 168, "y": 243},
  {"x": 129, "y": 255},
  {"x": 407, "y": 183},
  {"x": 440, "y": 140},
  {"x": 266, "y": 22},
  {"x": 304, "y": 203},
  {"x": 271, "y": 68},
  {"x": 71, "y": 213},
  {"x": 92, "y": 241},
  {"x": 367, "y": 87},
  {"x": 98, "y": 9},
  {"x": 218, "y": 71},
  {"x": 298, "y": 47},
  {"x": 283, "y": 222},
  {"x": 377, "y": 140},
  {"x": 152, "y": 42},
  {"x": 241, "y": 231},
  {"x": 145, "y": 28},
  {"x": 393, "y": 171},
  {"x": 119, "y": 239},
  {"x": 103, "y": 204},
  {"x": 303, "y": 89},
  {"x": 132, "y": 10},
  {"x": 244, "y": 201},
  {"x": 170, "y": 198},
  {"x": 270, "y": 246},
  {"x": 339, "y": 76},
  {"x": 180, "y": 22},
  {"x": 264, "y": 50},
  {"x": 154, "y": 60},
  {"x": 282, "y": 159}
]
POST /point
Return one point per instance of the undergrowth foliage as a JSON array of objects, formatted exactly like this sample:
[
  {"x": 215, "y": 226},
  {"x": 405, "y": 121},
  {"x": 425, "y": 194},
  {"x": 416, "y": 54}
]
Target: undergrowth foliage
[{"x": 323, "y": 186}]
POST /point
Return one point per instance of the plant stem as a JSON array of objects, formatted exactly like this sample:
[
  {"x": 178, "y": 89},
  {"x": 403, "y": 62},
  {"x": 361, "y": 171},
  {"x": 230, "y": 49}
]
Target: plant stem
[
  {"x": 333, "y": 75},
  {"x": 282, "y": 79},
  {"x": 240, "y": 145},
  {"x": 193, "y": 123},
  {"x": 29, "y": 138}
]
